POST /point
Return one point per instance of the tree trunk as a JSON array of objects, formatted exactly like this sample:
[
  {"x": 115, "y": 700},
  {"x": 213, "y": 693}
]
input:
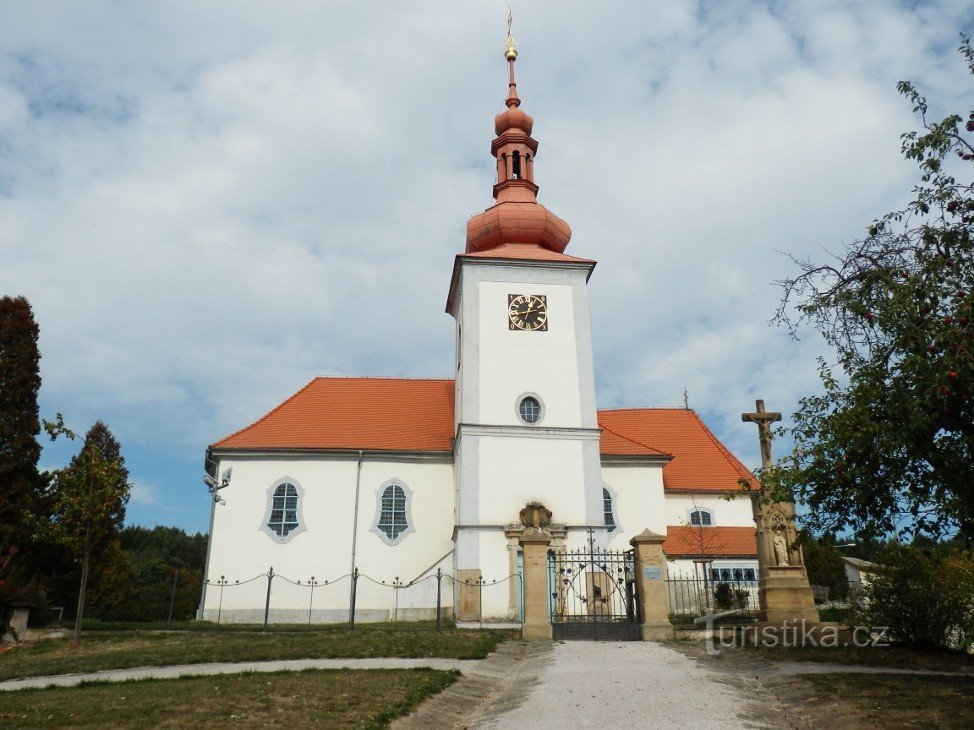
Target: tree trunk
[{"x": 84, "y": 587}]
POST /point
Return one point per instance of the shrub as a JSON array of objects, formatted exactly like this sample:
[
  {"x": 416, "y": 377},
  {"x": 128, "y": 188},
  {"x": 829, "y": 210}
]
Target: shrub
[{"x": 924, "y": 595}]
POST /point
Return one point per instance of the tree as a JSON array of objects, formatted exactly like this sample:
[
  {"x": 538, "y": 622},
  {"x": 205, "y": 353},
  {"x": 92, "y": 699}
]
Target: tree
[
  {"x": 924, "y": 595},
  {"x": 87, "y": 502},
  {"x": 19, "y": 419},
  {"x": 823, "y": 563},
  {"x": 888, "y": 446}
]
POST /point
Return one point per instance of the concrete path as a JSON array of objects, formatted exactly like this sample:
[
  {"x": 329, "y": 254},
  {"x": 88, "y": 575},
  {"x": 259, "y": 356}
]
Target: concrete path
[
  {"x": 188, "y": 670},
  {"x": 587, "y": 684}
]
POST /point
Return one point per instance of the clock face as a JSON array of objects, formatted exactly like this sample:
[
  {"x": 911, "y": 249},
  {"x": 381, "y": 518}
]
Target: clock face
[{"x": 528, "y": 312}]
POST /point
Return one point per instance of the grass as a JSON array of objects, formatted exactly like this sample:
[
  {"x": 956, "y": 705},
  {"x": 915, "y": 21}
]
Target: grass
[
  {"x": 120, "y": 650},
  {"x": 329, "y": 698},
  {"x": 903, "y": 701},
  {"x": 892, "y": 656}
]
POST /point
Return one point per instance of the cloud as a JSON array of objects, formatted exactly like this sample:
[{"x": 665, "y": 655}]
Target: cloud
[
  {"x": 208, "y": 208},
  {"x": 143, "y": 494}
]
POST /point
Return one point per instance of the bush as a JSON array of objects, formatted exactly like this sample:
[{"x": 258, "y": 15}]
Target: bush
[{"x": 924, "y": 595}]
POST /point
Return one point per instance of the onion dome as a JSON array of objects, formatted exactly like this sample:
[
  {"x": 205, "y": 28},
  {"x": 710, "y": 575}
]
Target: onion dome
[{"x": 517, "y": 216}]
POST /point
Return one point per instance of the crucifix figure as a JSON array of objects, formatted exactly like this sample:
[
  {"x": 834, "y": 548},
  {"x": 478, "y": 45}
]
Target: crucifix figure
[{"x": 764, "y": 419}]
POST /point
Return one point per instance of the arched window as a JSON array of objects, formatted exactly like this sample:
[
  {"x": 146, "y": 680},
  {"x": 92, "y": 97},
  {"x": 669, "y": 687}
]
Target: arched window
[
  {"x": 283, "y": 519},
  {"x": 608, "y": 513},
  {"x": 516, "y": 164},
  {"x": 392, "y": 522},
  {"x": 702, "y": 517}
]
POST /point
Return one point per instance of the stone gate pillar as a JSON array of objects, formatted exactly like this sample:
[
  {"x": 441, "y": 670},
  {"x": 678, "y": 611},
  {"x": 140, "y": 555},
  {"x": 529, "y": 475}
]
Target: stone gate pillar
[
  {"x": 534, "y": 541},
  {"x": 650, "y": 564}
]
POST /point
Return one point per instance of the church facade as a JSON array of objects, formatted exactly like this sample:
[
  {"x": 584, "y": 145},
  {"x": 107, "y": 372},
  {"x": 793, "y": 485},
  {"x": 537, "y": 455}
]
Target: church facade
[{"x": 402, "y": 478}]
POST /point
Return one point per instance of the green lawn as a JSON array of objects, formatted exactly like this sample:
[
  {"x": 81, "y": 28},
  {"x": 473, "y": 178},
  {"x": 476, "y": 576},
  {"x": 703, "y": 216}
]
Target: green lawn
[
  {"x": 119, "y": 650},
  {"x": 902, "y": 700},
  {"x": 328, "y": 698}
]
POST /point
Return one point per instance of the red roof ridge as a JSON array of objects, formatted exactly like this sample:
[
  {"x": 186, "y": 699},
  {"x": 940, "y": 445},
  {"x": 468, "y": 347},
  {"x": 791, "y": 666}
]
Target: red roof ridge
[
  {"x": 633, "y": 441},
  {"x": 646, "y": 408},
  {"x": 376, "y": 377},
  {"x": 733, "y": 460},
  {"x": 268, "y": 414}
]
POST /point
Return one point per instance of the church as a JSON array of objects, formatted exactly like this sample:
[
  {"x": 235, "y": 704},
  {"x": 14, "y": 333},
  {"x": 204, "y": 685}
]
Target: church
[{"x": 404, "y": 479}]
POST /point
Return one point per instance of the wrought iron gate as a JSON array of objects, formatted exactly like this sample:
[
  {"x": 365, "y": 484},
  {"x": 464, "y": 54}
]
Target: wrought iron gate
[{"x": 593, "y": 594}]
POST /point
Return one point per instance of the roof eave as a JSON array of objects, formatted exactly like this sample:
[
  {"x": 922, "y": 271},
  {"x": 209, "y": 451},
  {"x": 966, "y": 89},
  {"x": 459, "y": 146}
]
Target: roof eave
[{"x": 344, "y": 452}]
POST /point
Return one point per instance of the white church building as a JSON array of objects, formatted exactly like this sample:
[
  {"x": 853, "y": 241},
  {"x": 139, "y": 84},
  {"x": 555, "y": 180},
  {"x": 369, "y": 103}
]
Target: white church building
[{"x": 404, "y": 478}]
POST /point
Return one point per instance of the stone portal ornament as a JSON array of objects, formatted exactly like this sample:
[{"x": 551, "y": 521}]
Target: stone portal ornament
[{"x": 535, "y": 515}]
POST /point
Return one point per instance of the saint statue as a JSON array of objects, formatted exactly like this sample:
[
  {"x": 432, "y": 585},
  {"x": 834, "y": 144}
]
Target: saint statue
[{"x": 780, "y": 548}]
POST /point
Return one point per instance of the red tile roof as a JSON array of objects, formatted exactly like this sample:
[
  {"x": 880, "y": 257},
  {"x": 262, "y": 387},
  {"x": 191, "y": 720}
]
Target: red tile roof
[
  {"x": 700, "y": 461},
  {"x": 382, "y": 414},
  {"x": 397, "y": 414},
  {"x": 685, "y": 541},
  {"x": 525, "y": 252}
]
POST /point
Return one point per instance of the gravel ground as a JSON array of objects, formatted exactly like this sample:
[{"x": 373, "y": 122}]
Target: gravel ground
[{"x": 590, "y": 684}]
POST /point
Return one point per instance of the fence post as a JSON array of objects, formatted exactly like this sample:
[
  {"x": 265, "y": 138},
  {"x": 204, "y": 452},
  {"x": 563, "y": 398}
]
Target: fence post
[
  {"x": 311, "y": 602},
  {"x": 395, "y": 589},
  {"x": 480, "y": 599},
  {"x": 439, "y": 581},
  {"x": 267, "y": 603},
  {"x": 219, "y": 610},
  {"x": 172, "y": 598},
  {"x": 351, "y": 606}
]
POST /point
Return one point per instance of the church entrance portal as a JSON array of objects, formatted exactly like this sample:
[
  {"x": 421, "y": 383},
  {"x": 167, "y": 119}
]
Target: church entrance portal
[{"x": 593, "y": 594}]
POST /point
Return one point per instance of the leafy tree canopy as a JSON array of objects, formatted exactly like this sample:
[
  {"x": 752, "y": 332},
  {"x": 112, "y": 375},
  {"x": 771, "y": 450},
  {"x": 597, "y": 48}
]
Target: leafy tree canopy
[
  {"x": 19, "y": 419},
  {"x": 889, "y": 444},
  {"x": 87, "y": 505}
]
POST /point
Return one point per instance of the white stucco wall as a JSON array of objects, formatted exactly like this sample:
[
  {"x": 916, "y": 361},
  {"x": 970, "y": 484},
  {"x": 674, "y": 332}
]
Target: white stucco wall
[
  {"x": 499, "y": 364},
  {"x": 639, "y": 500},
  {"x": 513, "y": 362},
  {"x": 727, "y": 513},
  {"x": 243, "y": 549}
]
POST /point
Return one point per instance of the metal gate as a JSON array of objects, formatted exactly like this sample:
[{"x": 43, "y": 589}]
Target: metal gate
[{"x": 593, "y": 594}]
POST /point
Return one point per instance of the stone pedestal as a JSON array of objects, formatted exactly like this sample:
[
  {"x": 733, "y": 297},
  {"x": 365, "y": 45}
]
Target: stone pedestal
[
  {"x": 468, "y": 603},
  {"x": 785, "y": 595},
  {"x": 537, "y": 616},
  {"x": 654, "y": 611}
]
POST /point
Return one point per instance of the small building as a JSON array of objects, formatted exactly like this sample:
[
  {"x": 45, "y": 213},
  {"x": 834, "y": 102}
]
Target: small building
[{"x": 859, "y": 572}]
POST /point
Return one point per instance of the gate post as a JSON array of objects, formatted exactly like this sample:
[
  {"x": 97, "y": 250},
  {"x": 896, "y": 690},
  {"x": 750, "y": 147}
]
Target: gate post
[
  {"x": 651, "y": 586},
  {"x": 537, "y": 615}
]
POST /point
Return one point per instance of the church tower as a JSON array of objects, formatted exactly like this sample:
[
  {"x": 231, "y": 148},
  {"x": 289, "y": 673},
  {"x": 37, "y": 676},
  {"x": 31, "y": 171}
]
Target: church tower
[{"x": 526, "y": 425}]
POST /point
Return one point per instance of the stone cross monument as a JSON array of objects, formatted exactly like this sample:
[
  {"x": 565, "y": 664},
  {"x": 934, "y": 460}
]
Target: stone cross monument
[{"x": 784, "y": 592}]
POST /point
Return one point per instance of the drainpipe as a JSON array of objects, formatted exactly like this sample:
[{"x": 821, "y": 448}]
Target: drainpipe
[{"x": 358, "y": 481}]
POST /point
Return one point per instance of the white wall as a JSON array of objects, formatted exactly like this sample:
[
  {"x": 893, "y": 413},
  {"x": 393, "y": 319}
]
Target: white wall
[
  {"x": 242, "y": 549},
  {"x": 727, "y": 513},
  {"x": 639, "y": 500},
  {"x": 513, "y": 362}
]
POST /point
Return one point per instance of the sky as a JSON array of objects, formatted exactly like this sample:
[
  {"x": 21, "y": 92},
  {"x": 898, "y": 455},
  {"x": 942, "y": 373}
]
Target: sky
[{"x": 210, "y": 203}]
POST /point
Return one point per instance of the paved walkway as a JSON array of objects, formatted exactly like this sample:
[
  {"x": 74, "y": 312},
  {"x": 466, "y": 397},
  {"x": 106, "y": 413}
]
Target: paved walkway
[
  {"x": 597, "y": 684},
  {"x": 188, "y": 670}
]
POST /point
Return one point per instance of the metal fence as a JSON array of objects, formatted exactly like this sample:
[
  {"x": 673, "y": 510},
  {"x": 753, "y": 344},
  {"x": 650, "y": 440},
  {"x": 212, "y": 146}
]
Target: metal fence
[
  {"x": 356, "y": 598},
  {"x": 691, "y": 598}
]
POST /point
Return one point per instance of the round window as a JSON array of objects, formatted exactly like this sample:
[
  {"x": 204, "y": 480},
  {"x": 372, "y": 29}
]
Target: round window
[{"x": 530, "y": 409}]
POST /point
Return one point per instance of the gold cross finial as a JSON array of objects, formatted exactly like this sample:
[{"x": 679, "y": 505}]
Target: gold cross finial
[{"x": 510, "y": 53}]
